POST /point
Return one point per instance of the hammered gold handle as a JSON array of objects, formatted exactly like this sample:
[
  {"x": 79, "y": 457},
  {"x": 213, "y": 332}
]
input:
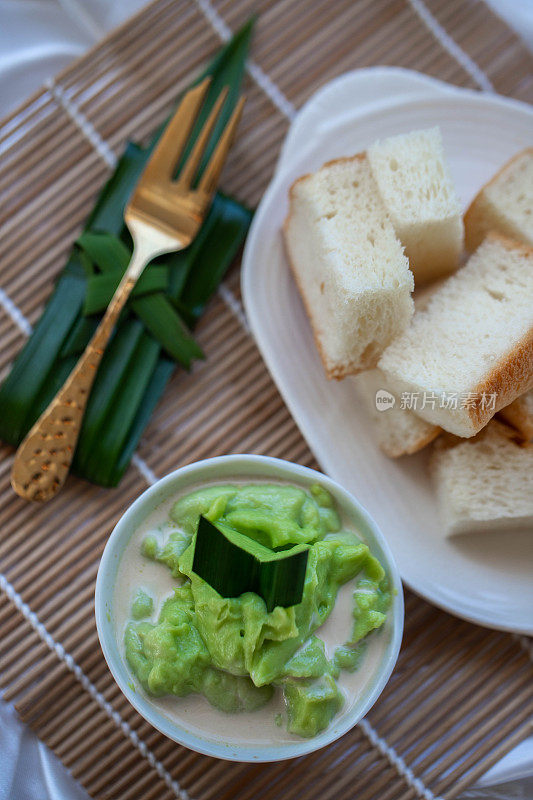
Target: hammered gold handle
[{"x": 43, "y": 460}]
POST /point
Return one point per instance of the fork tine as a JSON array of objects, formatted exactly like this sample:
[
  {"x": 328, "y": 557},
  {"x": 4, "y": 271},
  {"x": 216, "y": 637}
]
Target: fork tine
[
  {"x": 191, "y": 165},
  {"x": 176, "y": 133},
  {"x": 210, "y": 175}
]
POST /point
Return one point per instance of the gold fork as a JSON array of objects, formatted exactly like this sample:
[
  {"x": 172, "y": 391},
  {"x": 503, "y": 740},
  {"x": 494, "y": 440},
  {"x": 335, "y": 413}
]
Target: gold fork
[{"x": 163, "y": 215}]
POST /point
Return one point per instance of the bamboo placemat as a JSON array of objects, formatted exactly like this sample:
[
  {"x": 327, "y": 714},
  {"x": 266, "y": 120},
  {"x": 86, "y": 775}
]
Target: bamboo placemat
[{"x": 461, "y": 696}]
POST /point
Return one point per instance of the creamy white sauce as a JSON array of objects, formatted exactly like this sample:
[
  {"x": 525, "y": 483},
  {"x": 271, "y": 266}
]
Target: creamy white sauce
[{"x": 194, "y": 712}]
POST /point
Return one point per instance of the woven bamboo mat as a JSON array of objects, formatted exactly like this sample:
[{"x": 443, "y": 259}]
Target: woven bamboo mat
[{"x": 460, "y": 696}]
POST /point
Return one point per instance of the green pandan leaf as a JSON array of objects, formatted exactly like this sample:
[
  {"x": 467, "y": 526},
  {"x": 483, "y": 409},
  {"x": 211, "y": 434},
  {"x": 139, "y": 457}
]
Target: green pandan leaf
[
  {"x": 108, "y": 213},
  {"x": 226, "y": 71},
  {"x": 165, "y": 324},
  {"x": 215, "y": 252},
  {"x": 86, "y": 263},
  {"x": 107, "y": 392},
  {"x": 37, "y": 359},
  {"x": 112, "y": 432},
  {"x": 101, "y": 288},
  {"x": 164, "y": 369},
  {"x": 105, "y": 250},
  {"x": 233, "y": 564},
  {"x": 79, "y": 337}
]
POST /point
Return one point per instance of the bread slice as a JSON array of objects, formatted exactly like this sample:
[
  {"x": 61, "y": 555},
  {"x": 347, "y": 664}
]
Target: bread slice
[
  {"x": 519, "y": 414},
  {"x": 349, "y": 265},
  {"x": 399, "y": 431},
  {"x": 470, "y": 350},
  {"x": 504, "y": 204},
  {"x": 484, "y": 483},
  {"x": 415, "y": 184}
]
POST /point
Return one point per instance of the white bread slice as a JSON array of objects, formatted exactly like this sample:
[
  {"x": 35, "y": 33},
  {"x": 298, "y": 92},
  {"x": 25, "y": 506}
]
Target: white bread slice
[
  {"x": 399, "y": 432},
  {"x": 422, "y": 294},
  {"x": 504, "y": 204},
  {"x": 484, "y": 483},
  {"x": 519, "y": 414},
  {"x": 472, "y": 342},
  {"x": 349, "y": 265},
  {"x": 415, "y": 184}
]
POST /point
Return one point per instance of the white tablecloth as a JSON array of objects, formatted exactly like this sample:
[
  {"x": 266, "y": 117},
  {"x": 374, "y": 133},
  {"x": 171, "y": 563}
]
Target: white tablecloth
[
  {"x": 37, "y": 39},
  {"x": 28, "y": 770}
]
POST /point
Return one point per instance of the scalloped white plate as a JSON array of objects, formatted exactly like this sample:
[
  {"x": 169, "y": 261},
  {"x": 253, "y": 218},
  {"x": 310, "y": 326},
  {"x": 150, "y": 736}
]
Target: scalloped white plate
[{"x": 484, "y": 578}]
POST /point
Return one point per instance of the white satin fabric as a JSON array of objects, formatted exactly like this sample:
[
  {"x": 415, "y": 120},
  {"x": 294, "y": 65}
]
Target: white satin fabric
[
  {"x": 38, "y": 38},
  {"x": 28, "y": 770}
]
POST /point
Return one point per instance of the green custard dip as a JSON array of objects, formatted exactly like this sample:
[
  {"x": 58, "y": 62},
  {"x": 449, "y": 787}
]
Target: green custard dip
[{"x": 232, "y": 650}]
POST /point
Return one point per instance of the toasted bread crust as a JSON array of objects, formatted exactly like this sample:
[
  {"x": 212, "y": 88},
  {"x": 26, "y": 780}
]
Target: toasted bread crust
[
  {"x": 508, "y": 378},
  {"x": 511, "y": 377},
  {"x": 513, "y": 374},
  {"x": 307, "y": 175},
  {"x": 423, "y": 441},
  {"x": 473, "y": 218},
  {"x": 449, "y": 440},
  {"x": 511, "y": 244},
  {"x": 518, "y": 416},
  {"x": 333, "y": 371}
]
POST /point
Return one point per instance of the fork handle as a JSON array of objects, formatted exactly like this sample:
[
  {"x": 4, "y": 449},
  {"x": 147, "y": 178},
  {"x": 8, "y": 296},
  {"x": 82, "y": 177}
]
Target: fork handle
[{"x": 43, "y": 460}]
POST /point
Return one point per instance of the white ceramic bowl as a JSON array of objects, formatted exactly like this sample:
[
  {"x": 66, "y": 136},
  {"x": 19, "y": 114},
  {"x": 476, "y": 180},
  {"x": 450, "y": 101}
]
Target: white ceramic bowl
[{"x": 196, "y": 729}]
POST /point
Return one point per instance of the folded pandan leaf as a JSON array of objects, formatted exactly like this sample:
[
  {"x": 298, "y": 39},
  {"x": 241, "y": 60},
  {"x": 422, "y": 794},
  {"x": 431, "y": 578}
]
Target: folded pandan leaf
[
  {"x": 101, "y": 287},
  {"x": 232, "y": 564}
]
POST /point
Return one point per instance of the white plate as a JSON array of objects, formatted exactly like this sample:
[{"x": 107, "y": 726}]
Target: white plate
[
  {"x": 352, "y": 92},
  {"x": 485, "y": 578}
]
